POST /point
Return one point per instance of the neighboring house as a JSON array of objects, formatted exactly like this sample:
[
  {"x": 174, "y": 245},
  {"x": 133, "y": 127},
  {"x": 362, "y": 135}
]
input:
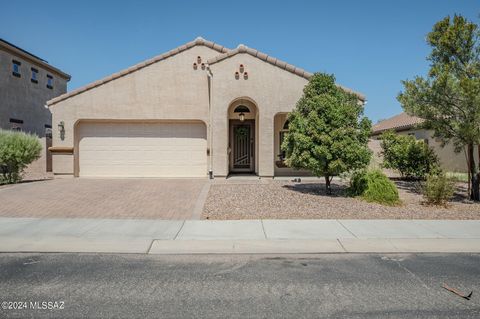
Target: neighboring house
[
  {"x": 26, "y": 84},
  {"x": 196, "y": 110},
  {"x": 409, "y": 125}
]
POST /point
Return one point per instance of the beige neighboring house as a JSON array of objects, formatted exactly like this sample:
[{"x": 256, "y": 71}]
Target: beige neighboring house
[
  {"x": 26, "y": 84},
  {"x": 409, "y": 125},
  {"x": 196, "y": 110}
]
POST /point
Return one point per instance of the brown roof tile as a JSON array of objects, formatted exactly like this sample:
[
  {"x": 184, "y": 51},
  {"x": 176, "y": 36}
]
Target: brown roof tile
[{"x": 398, "y": 122}]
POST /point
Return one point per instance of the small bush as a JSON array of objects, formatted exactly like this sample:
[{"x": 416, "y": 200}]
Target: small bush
[
  {"x": 17, "y": 150},
  {"x": 438, "y": 189},
  {"x": 412, "y": 158},
  {"x": 374, "y": 186}
]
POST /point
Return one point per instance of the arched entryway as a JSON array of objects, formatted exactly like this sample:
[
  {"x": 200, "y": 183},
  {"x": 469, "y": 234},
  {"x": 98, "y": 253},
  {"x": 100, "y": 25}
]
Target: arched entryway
[{"x": 242, "y": 139}]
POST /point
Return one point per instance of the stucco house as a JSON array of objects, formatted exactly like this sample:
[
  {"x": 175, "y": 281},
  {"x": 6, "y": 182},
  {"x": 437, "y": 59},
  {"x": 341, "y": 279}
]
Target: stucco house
[
  {"x": 410, "y": 125},
  {"x": 196, "y": 110},
  {"x": 27, "y": 82}
]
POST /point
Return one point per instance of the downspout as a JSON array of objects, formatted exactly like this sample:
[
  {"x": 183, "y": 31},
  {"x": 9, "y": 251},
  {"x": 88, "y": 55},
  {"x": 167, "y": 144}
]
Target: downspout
[{"x": 210, "y": 134}]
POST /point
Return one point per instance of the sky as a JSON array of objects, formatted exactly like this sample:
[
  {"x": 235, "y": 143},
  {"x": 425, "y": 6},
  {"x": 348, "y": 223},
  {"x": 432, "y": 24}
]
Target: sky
[{"x": 370, "y": 45}]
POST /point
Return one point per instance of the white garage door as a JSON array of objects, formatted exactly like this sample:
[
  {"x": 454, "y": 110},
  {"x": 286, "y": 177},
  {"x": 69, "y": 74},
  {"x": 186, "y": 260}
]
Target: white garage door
[{"x": 142, "y": 149}]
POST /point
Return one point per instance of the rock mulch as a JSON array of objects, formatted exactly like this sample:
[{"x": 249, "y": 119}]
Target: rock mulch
[{"x": 307, "y": 200}]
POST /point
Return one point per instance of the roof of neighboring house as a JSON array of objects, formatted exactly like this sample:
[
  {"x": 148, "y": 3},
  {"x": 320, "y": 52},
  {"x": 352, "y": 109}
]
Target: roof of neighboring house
[
  {"x": 399, "y": 122},
  {"x": 274, "y": 61},
  {"x": 225, "y": 53},
  {"x": 32, "y": 58}
]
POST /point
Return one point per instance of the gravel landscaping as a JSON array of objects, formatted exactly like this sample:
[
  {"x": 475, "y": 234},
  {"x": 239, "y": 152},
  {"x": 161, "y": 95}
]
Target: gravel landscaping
[{"x": 276, "y": 199}]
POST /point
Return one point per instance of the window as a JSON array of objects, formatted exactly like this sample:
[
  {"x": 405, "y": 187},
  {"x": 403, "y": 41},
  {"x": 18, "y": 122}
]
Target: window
[
  {"x": 241, "y": 109},
  {"x": 16, "y": 125},
  {"x": 49, "y": 81},
  {"x": 34, "y": 75},
  {"x": 48, "y": 131},
  {"x": 16, "y": 68},
  {"x": 281, "y": 138}
]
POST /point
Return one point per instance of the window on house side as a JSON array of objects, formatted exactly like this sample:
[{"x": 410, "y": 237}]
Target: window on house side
[
  {"x": 16, "y": 125},
  {"x": 16, "y": 68},
  {"x": 281, "y": 138},
  {"x": 49, "y": 82},
  {"x": 34, "y": 75}
]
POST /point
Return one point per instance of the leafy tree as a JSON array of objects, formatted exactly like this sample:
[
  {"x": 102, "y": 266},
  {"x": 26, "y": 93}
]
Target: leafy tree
[
  {"x": 17, "y": 150},
  {"x": 412, "y": 158},
  {"x": 449, "y": 97},
  {"x": 328, "y": 134}
]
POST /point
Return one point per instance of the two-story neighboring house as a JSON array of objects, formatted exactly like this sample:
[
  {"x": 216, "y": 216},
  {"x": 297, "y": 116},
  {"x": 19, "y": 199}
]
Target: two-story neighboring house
[{"x": 27, "y": 82}]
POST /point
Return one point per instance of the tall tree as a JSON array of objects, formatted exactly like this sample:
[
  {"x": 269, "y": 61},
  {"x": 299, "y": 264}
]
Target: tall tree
[
  {"x": 448, "y": 98},
  {"x": 328, "y": 134}
]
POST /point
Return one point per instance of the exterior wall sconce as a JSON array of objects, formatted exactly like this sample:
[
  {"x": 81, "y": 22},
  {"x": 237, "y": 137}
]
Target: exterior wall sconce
[
  {"x": 242, "y": 117},
  {"x": 194, "y": 66},
  {"x": 237, "y": 75},
  {"x": 61, "y": 129}
]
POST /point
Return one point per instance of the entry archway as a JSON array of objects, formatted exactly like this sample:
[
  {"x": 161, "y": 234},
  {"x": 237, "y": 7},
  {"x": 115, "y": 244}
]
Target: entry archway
[{"x": 242, "y": 139}]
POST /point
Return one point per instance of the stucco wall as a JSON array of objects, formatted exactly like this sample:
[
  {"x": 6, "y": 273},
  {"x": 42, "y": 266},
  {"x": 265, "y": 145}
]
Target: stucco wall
[
  {"x": 168, "y": 89},
  {"x": 23, "y": 100},
  {"x": 272, "y": 89}
]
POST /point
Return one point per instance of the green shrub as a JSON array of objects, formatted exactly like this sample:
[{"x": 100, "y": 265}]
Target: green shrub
[
  {"x": 374, "y": 186},
  {"x": 17, "y": 150},
  {"x": 438, "y": 189},
  {"x": 410, "y": 157}
]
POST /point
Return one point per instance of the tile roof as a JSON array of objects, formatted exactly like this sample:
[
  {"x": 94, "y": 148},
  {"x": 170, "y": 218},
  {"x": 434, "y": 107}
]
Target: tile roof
[
  {"x": 398, "y": 122},
  {"x": 274, "y": 61},
  {"x": 225, "y": 53},
  {"x": 141, "y": 65}
]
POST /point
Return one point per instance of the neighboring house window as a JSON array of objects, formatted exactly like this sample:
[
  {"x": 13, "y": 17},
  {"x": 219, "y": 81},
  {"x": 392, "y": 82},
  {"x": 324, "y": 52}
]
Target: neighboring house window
[
  {"x": 16, "y": 68},
  {"x": 16, "y": 125},
  {"x": 49, "y": 82},
  {"x": 34, "y": 78},
  {"x": 48, "y": 131},
  {"x": 283, "y": 131}
]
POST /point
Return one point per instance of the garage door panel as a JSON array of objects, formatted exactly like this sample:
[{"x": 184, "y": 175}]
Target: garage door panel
[{"x": 142, "y": 149}]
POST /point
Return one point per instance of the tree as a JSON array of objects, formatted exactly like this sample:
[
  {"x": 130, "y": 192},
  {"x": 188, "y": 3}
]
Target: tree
[
  {"x": 328, "y": 134},
  {"x": 17, "y": 150},
  {"x": 412, "y": 158},
  {"x": 449, "y": 97}
]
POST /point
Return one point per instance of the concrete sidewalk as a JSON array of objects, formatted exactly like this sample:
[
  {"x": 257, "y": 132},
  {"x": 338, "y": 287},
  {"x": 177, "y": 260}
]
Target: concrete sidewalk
[{"x": 237, "y": 236}]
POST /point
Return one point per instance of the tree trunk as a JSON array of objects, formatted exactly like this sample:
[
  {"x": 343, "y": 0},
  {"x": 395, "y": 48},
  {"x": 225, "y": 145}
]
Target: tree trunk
[
  {"x": 475, "y": 191},
  {"x": 328, "y": 188}
]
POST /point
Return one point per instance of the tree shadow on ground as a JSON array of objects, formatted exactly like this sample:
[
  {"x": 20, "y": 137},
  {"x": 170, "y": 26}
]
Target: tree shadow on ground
[
  {"x": 415, "y": 187},
  {"x": 338, "y": 190}
]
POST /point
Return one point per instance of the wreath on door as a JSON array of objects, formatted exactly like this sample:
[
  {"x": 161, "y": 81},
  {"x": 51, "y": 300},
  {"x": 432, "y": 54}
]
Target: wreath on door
[{"x": 241, "y": 131}]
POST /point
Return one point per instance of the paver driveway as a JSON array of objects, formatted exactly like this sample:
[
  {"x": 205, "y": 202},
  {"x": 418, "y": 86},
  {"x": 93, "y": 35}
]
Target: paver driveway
[{"x": 106, "y": 198}]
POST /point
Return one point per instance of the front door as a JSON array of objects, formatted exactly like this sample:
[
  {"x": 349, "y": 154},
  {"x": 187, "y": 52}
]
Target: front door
[{"x": 242, "y": 147}]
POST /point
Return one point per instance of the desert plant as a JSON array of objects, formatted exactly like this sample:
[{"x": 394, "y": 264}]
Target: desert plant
[
  {"x": 410, "y": 157},
  {"x": 17, "y": 150},
  {"x": 438, "y": 189},
  {"x": 328, "y": 134},
  {"x": 374, "y": 186}
]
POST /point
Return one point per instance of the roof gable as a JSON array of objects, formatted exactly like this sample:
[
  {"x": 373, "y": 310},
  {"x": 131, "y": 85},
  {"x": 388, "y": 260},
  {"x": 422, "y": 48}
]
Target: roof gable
[
  {"x": 141, "y": 65},
  {"x": 274, "y": 61}
]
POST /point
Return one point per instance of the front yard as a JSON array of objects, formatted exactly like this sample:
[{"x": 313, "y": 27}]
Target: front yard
[{"x": 277, "y": 199}]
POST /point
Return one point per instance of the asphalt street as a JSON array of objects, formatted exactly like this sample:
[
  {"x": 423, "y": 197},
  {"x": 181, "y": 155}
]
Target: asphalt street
[{"x": 239, "y": 286}]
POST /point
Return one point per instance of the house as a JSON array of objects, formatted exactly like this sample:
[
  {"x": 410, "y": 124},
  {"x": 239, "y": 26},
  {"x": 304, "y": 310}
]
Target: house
[
  {"x": 27, "y": 82},
  {"x": 410, "y": 125},
  {"x": 196, "y": 110}
]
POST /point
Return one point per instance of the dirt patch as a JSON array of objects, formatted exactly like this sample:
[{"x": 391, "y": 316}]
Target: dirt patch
[{"x": 284, "y": 199}]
